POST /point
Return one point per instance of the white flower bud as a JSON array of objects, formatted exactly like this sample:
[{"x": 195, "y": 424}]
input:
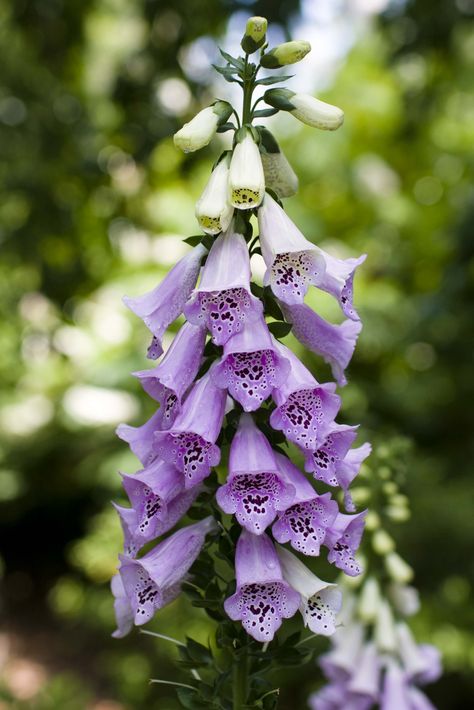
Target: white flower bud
[
  {"x": 279, "y": 175},
  {"x": 382, "y": 542},
  {"x": 406, "y": 600},
  {"x": 369, "y": 600},
  {"x": 202, "y": 128},
  {"x": 306, "y": 108},
  {"x": 254, "y": 36},
  {"x": 286, "y": 53},
  {"x": 246, "y": 178},
  {"x": 213, "y": 210},
  {"x": 398, "y": 569},
  {"x": 384, "y": 632}
]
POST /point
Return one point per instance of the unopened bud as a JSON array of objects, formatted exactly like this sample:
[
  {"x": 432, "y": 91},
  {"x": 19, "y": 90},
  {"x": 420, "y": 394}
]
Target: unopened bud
[
  {"x": 306, "y": 109},
  {"x": 369, "y": 600},
  {"x": 286, "y": 53},
  {"x": 254, "y": 36},
  {"x": 201, "y": 129},
  {"x": 382, "y": 542},
  {"x": 398, "y": 569},
  {"x": 384, "y": 631},
  {"x": 279, "y": 175}
]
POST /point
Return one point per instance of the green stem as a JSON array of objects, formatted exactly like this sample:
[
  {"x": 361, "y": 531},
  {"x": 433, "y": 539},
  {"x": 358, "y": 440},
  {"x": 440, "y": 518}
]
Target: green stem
[
  {"x": 240, "y": 680},
  {"x": 248, "y": 89}
]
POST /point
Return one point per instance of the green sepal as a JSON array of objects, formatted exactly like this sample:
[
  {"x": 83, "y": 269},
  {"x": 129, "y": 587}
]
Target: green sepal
[
  {"x": 279, "y": 328},
  {"x": 265, "y": 112},
  {"x": 268, "y": 140},
  {"x": 223, "y": 128},
  {"x": 194, "y": 240},
  {"x": 279, "y": 98}
]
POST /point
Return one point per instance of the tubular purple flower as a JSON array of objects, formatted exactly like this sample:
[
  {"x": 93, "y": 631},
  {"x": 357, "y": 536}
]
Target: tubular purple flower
[
  {"x": 338, "y": 280},
  {"x": 394, "y": 693},
  {"x": 128, "y": 522},
  {"x": 335, "y": 343},
  {"x": 305, "y": 522},
  {"x": 305, "y": 409},
  {"x": 341, "y": 662},
  {"x": 251, "y": 366},
  {"x": 262, "y": 598},
  {"x": 323, "y": 462},
  {"x": 347, "y": 470},
  {"x": 122, "y": 608},
  {"x": 254, "y": 490},
  {"x": 366, "y": 678},
  {"x": 155, "y": 579},
  {"x": 421, "y": 662},
  {"x": 293, "y": 263},
  {"x": 160, "y": 307},
  {"x": 320, "y": 601},
  {"x": 343, "y": 540},
  {"x": 336, "y": 697},
  {"x": 223, "y": 301},
  {"x": 190, "y": 444},
  {"x": 140, "y": 438},
  {"x": 158, "y": 498},
  {"x": 169, "y": 381}
]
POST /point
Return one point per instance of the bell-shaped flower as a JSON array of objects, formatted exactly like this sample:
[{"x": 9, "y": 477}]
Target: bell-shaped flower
[
  {"x": 246, "y": 178},
  {"x": 169, "y": 381},
  {"x": 223, "y": 301},
  {"x": 158, "y": 498},
  {"x": 404, "y": 598},
  {"x": 305, "y": 409},
  {"x": 335, "y": 696},
  {"x": 365, "y": 681},
  {"x": 305, "y": 522},
  {"x": 128, "y": 521},
  {"x": 369, "y": 600},
  {"x": 347, "y": 470},
  {"x": 293, "y": 263},
  {"x": 338, "y": 280},
  {"x": 155, "y": 579},
  {"x": 262, "y": 598},
  {"x": 395, "y": 689},
  {"x": 201, "y": 129},
  {"x": 122, "y": 608},
  {"x": 342, "y": 660},
  {"x": 343, "y": 540},
  {"x": 421, "y": 662},
  {"x": 320, "y": 601},
  {"x": 254, "y": 490},
  {"x": 279, "y": 175},
  {"x": 334, "y": 343},
  {"x": 190, "y": 443},
  {"x": 160, "y": 307},
  {"x": 141, "y": 438},
  {"x": 213, "y": 210},
  {"x": 323, "y": 462},
  {"x": 251, "y": 366},
  {"x": 306, "y": 108}
]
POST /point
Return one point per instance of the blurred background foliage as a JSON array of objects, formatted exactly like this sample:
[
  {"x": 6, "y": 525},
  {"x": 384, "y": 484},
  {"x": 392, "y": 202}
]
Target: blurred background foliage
[{"x": 94, "y": 203}]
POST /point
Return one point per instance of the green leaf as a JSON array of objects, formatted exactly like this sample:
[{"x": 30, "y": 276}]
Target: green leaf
[
  {"x": 256, "y": 290},
  {"x": 263, "y": 112},
  {"x": 234, "y": 61},
  {"x": 271, "y": 306},
  {"x": 194, "y": 240},
  {"x": 279, "y": 328},
  {"x": 269, "y": 80},
  {"x": 198, "y": 651},
  {"x": 226, "y": 127}
]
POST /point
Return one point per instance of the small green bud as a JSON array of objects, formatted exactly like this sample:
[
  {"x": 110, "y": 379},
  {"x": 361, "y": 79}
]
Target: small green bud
[
  {"x": 286, "y": 53},
  {"x": 372, "y": 520},
  {"x": 255, "y": 33},
  {"x": 382, "y": 542},
  {"x": 398, "y": 569}
]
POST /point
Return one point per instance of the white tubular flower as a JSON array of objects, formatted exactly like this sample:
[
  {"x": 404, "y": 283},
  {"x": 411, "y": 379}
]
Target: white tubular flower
[
  {"x": 279, "y": 175},
  {"x": 213, "y": 210},
  {"x": 369, "y": 600},
  {"x": 384, "y": 631},
  {"x": 405, "y": 599},
  {"x": 286, "y": 53},
  {"x": 320, "y": 601},
  {"x": 415, "y": 662},
  {"x": 306, "y": 108},
  {"x": 246, "y": 178},
  {"x": 366, "y": 679},
  {"x": 202, "y": 128}
]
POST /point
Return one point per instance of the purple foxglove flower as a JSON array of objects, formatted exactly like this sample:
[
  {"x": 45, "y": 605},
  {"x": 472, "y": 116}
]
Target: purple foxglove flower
[
  {"x": 262, "y": 598},
  {"x": 337, "y": 697},
  {"x": 292, "y": 262},
  {"x": 421, "y": 662},
  {"x": 160, "y": 307},
  {"x": 340, "y": 663},
  {"x": 158, "y": 498},
  {"x": 128, "y": 521},
  {"x": 366, "y": 678},
  {"x": 304, "y": 523},
  {"x": 347, "y": 470},
  {"x": 338, "y": 280},
  {"x": 169, "y": 381},
  {"x": 251, "y": 367},
  {"x": 323, "y": 463},
  {"x": 122, "y": 608},
  {"x": 305, "y": 409},
  {"x": 320, "y": 601},
  {"x": 140, "y": 438},
  {"x": 155, "y": 579},
  {"x": 418, "y": 700},
  {"x": 190, "y": 443},
  {"x": 335, "y": 343},
  {"x": 223, "y": 301},
  {"x": 395, "y": 687},
  {"x": 254, "y": 490},
  {"x": 343, "y": 540}
]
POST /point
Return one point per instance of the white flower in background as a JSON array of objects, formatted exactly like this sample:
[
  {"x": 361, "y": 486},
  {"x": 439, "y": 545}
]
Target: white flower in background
[
  {"x": 320, "y": 601},
  {"x": 384, "y": 631},
  {"x": 306, "y": 108},
  {"x": 213, "y": 210},
  {"x": 369, "y": 600},
  {"x": 246, "y": 178},
  {"x": 202, "y": 128},
  {"x": 279, "y": 175},
  {"x": 398, "y": 569}
]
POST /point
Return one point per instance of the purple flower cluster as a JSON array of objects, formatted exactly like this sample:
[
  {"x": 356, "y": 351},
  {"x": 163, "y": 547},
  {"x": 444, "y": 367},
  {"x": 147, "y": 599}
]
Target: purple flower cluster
[
  {"x": 362, "y": 673},
  {"x": 178, "y": 445}
]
